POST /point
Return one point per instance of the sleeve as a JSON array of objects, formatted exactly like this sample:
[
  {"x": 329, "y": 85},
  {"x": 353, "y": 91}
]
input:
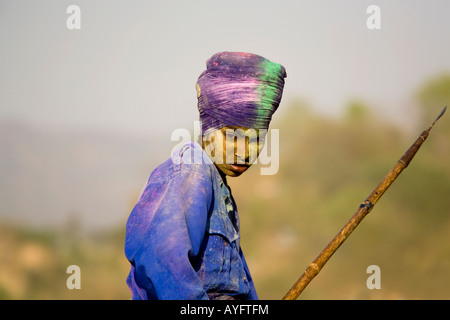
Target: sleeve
[{"x": 164, "y": 235}]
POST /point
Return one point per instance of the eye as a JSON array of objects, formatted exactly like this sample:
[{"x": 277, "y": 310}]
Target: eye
[
  {"x": 230, "y": 133},
  {"x": 253, "y": 140}
]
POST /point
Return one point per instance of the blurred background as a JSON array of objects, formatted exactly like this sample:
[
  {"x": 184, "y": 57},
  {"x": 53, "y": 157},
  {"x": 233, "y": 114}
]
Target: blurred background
[{"x": 86, "y": 115}]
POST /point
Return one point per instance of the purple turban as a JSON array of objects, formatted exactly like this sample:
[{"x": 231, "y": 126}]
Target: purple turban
[{"x": 239, "y": 89}]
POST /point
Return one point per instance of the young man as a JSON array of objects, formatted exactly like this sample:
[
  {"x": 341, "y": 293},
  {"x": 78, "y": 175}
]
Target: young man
[{"x": 182, "y": 237}]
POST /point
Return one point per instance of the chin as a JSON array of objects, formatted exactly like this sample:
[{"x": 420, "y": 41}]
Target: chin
[
  {"x": 234, "y": 174},
  {"x": 230, "y": 172}
]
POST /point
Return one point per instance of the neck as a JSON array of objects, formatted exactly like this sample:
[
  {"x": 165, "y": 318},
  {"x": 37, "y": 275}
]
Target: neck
[{"x": 222, "y": 175}]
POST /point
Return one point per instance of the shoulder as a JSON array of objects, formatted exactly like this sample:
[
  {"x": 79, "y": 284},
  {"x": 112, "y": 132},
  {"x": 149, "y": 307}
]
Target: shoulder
[
  {"x": 177, "y": 181},
  {"x": 190, "y": 153},
  {"x": 188, "y": 161},
  {"x": 191, "y": 158}
]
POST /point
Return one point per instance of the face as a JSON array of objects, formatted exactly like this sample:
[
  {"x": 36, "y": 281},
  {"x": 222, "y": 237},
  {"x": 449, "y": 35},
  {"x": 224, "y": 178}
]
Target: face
[{"x": 234, "y": 149}]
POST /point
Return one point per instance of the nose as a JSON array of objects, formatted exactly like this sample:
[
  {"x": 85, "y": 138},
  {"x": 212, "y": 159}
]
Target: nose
[
  {"x": 242, "y": 153},
  {"x": 241, "y": 160},
  {"x": 248, "y": 155}
]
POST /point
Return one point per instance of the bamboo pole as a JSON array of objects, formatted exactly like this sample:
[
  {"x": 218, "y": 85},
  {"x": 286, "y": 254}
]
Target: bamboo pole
[{"x": 314, "y": 268}]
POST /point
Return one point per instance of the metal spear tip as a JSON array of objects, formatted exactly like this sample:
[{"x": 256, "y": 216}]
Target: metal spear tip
[{"x": 440, "y": 115}]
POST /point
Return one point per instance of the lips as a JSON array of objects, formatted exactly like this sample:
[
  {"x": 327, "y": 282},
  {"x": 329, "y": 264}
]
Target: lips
[{"x": 238, "y": 167}]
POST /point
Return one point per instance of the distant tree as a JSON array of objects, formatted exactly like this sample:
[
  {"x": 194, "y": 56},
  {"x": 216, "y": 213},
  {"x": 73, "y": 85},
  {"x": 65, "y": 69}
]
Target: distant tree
[
  {"x": 356, "y": 110},
  {"x": 434, "y": 95}
]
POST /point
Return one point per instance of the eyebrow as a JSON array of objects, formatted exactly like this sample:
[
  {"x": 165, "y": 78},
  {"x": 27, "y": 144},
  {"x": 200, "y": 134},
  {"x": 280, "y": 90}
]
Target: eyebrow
[{"x": 224, "y": 129}]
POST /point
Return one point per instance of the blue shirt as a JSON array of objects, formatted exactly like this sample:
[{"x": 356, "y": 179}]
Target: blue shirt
[{"x": 182, "y": 237}]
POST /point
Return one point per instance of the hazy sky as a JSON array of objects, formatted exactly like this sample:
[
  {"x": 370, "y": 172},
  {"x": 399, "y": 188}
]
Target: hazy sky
[{"x": 133, "y": 64}]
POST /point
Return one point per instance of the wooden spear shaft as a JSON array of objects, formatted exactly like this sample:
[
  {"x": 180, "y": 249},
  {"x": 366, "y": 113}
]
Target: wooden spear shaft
[{"x": 365, "y": 207}]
